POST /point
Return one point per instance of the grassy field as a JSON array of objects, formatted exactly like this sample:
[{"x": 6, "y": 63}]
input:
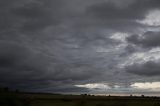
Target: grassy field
[{"x": 41, "y": 99}]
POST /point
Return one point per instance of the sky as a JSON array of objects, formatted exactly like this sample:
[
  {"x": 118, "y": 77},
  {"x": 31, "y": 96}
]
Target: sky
[{"x": 80, "y": 46}]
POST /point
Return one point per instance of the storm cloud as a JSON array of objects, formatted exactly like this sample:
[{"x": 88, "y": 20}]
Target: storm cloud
[
  {"x": 149, "y": 69},
  {"x": 148, "y": 39},
  {"x": 52, "y": 46}
]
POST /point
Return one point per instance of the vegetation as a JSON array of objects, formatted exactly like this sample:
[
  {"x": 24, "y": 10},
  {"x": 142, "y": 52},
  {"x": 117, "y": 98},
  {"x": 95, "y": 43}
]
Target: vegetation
[{"x": 16, "y": 98}]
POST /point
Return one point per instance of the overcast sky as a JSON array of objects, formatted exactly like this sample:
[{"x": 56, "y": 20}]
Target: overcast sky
[{"x": 80, "y": 46}]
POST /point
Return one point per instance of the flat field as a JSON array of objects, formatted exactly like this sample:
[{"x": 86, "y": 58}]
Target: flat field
[{"x": 42, "y": 99}]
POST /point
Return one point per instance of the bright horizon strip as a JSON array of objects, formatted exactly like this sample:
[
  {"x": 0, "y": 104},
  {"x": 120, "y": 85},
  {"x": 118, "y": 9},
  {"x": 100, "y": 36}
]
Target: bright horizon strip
[
  {"x": 94, "y": 86},
  {"x": 152, "y": 86},
  {"x": 134, "y": 87}
]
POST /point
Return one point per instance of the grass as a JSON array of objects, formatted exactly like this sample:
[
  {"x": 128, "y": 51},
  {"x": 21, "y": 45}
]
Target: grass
[{"x": 40, "y": 99}]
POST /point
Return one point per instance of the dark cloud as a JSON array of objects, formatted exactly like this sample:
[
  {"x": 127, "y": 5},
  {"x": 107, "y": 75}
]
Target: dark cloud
[
  {"x": 136, "y": 10},
  {"x": 121, "y": 18},
  {"x": 128, "y": 50},
  {"x": 19, "y": 64},
  {"x": 30, "y": 16},
  {"x": 64, "y": 89},
  {"x": 65, "y": 43},
  {"x": 149, "y": 69},
  {"x": 148, "y": 39},
  {"x": 109, "y": 11},
  {"x": 21, "y": 67}
]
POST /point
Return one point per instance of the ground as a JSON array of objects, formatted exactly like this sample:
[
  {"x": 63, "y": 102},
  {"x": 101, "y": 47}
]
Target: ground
[{"x": 43, "y": 99}]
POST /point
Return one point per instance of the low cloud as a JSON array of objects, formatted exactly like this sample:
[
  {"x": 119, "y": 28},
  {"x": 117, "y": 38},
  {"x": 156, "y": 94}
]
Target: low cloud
[
  {"x": 149, "y": 69},
  {"x": 148, "y": 39}
]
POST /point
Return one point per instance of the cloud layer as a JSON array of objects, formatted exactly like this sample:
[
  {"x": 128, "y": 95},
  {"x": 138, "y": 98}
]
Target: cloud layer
[
  {"x": 51, "y": 46},
  {"x": 148, "y": 39}
]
